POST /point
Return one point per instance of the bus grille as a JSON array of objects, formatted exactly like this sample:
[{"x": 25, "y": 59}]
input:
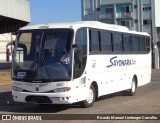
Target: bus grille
[{"x": 38, "y": 99}]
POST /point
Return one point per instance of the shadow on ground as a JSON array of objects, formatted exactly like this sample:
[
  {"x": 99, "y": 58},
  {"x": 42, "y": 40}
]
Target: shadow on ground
[{"x": 8, "y": 105}]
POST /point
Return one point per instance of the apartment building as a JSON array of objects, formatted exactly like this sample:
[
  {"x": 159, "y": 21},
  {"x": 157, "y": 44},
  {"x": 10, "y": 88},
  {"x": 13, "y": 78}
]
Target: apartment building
[{"x": 139, "y": 15}]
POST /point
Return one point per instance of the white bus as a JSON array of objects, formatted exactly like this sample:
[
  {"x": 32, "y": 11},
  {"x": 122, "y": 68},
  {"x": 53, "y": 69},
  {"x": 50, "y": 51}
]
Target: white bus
[{"x": 100, "y": 59}]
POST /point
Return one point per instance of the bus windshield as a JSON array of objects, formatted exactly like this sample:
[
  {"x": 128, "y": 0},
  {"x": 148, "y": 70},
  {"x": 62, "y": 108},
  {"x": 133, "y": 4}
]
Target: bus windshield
[{"x": 43, "y": 55}]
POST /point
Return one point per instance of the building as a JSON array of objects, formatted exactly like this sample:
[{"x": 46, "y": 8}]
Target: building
[
  {"x": 4, "y": 40},
  {"x": 13, "y": 15},
  {"x": 139, "y": 15}
]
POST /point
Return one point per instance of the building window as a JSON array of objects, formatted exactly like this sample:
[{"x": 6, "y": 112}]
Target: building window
[
  {"x": 88, "y": 4},
  {"x": 125, "y": 11},
  {"x": 125, "y": 23},
  {"x": 135, "y": 6},
  {"x": 110, "y": 12},
  {"x": 136, "y": 20},
  {"x": 146, "y": 22},
  {"x": 98, "y": 9},
  {"x": 146, "y": 8}
]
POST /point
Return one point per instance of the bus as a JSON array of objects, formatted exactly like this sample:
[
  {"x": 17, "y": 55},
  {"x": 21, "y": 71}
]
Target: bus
[{"x": 100, "y": 59}]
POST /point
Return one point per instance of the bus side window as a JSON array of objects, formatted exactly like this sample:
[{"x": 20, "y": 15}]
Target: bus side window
[
  {"x": 100, "y": 40},
  {"x": 131, "y": 42},
  {"x": 94, "y": 41},
  {"x": 80, "y": 53},
  {"x": 117, "y": 37},
  {"x": 127, "y": 43},
  {"x": 140, "y": 43},
  {"x": 143, "y": 42},
  {"x": 148, "y": 44},
  {"x": 107, "y": 44},
  {"x": 137, "y": 44}
]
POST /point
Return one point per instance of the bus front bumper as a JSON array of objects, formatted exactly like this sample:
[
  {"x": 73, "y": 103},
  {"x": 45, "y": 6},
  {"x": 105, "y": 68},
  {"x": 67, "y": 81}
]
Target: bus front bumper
[{"x": 42, "y": 98}]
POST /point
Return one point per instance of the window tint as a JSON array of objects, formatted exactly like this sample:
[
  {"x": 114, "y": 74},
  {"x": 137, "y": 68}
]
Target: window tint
[
  {"x": 107, "y": 45},
  {"x": 143, "y": 43},
  {"x": 127, "y": 42},
  {"x": 137, "y": 43},
  {"x": 80, "y": 56},
  {"x": 81, "y": 40},
  {"x": 117, "y": 38},
  {"x": 109, "y": 41},
  {"x": 148, "y": 44},
  {"x": 94, "y": 41}
]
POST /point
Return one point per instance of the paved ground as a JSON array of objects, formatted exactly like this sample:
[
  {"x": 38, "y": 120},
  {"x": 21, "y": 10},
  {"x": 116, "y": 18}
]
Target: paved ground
[
  {"x": 5, "y": 77},
  {"x": 146, "y": 101}
]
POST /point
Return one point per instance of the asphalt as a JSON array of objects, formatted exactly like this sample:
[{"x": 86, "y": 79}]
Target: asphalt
[
  {"x": 5, "y": 77},
  {"x": 146, "y": 101}
]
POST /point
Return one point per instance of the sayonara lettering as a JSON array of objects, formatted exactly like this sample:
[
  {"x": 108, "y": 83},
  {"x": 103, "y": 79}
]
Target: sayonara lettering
[{"x": 115, "y": 62}]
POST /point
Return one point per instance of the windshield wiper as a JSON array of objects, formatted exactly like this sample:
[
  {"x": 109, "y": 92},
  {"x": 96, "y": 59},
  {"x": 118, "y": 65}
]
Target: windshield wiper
[{"x": 42, "y": 57}]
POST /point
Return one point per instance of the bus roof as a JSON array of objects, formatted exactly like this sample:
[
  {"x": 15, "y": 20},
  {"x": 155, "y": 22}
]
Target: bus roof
[{"x": 76, "y": 25}]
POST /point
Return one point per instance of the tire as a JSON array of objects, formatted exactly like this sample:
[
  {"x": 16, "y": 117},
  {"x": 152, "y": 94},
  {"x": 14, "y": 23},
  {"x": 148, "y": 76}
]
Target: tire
[
  {"x": 132, "y": 91},
  {"x": 91, "y": 98}
]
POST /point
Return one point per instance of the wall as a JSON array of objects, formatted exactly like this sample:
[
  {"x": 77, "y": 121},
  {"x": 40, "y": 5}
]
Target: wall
[
  {"x": 18, "y": 9},
  {"x": 4, "y": 40}
]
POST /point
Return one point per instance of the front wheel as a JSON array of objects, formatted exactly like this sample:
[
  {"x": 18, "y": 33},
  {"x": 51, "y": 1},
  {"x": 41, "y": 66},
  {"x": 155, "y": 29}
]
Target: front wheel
[
  {"x": 91, "y": 98},
  {"x": 132, "y": 91}
]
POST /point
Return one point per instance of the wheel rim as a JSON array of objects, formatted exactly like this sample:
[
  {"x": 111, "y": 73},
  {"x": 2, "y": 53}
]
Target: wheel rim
[
  {"x": 90, "y": 96},
  {"x": 133, "y": 86}
]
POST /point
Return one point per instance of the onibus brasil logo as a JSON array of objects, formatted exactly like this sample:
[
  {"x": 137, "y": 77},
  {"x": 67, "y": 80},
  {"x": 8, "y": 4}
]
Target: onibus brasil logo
[{"x": 115, "y": 62}]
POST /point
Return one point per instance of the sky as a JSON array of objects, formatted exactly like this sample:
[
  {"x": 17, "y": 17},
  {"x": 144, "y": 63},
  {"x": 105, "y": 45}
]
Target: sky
[{"x": 47, "y": 11}]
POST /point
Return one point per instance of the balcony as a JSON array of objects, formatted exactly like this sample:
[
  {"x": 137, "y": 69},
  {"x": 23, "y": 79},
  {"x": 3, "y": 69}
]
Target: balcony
[
  {"x": 106, "y": 16},
  {"x": 125, "y": 15}
]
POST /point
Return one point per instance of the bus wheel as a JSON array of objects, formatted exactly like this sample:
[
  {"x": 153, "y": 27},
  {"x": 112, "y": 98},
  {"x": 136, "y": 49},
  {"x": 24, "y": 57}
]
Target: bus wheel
[
  {"x": 132, "y": 91},
  {"x": 91, "y": 98}
]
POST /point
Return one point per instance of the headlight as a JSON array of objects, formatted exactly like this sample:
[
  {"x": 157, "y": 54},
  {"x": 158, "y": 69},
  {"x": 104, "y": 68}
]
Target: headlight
[
  {"x": 65, "y": 89},
  {"x": 17, "y": 89}
]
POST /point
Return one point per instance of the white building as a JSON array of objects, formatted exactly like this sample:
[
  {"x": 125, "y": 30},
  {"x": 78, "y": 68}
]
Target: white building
[
  {"x": 139, "y": 15},
  {"x": 4, "y": 40},
  {"x": 13, "y": 15}
]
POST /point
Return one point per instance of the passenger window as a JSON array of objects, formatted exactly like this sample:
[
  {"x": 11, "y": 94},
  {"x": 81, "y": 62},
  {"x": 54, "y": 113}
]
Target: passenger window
[
  {"x": 80, "y": 54},
  {"x": 137, "y": 44},
  {"x": 117, "y": 38},
  {"x": 127, "y": 43},
  {"x": 143, "y": 42},
  {"x": 107, "y": 45},
  {"x": 94, "y": 41},
  {"x": 148, "y": 44},
  {"x": 81, "y": 40}
]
